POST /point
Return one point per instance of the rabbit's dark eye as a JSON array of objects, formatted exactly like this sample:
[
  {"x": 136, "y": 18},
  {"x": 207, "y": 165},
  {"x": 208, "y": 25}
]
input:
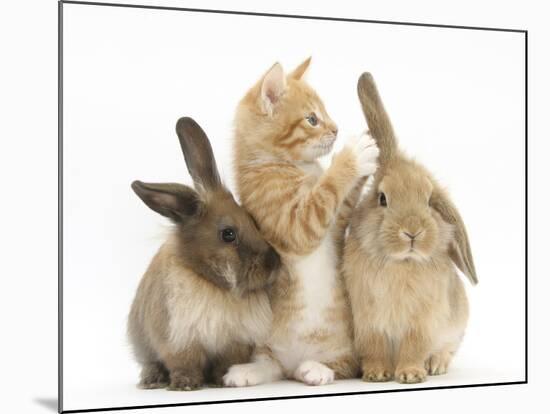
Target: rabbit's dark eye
[
  {"x": 382, "y": 200},
  {"x": 228, "y": 235},
  {"x": 312, "y": 119}
]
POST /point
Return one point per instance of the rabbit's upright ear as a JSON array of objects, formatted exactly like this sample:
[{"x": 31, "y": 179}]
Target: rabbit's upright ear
[
  {"x": 198, "y": 154},
  {"x": 377, "y": 118},
  {"x": 459, "y": 250},
  {"x": 175, "y": 201}
]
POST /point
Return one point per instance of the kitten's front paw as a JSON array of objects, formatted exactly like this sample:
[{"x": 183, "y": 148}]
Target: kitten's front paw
[
  {"x": 243, "y": 375},
  {"x": 410, "y": 375},
  {"x": 314, "y": 373},
  {"x": 366, "y": 153}
]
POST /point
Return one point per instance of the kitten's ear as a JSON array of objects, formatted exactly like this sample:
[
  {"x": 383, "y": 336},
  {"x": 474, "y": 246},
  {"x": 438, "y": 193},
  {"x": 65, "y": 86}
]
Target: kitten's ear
[
  {"x": 298, "y": 73},
  {"x": 273, "y": 86}
]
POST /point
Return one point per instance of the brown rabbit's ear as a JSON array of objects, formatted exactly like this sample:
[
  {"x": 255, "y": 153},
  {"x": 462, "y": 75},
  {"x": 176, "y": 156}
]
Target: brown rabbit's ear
[
  {"x": 377, "y": 118},
  {"x": 459, "y": 250},
  {"x": 198, "y": 154},
  {"x": 175, "y": 201},
  {"x": 300, "y": 70}
]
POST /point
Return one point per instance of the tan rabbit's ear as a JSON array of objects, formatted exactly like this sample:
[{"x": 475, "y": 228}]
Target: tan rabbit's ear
[
  {"x": 175, "y": 201},
  {"x": 300, "y": 70},
  {"x": 377, "y": 118},
  {"x": 198, "y": 154},
  {"x": 459, "y": 250}
]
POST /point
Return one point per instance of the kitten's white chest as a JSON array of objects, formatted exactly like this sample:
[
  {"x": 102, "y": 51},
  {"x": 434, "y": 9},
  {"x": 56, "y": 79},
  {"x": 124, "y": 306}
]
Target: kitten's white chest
[
  {"x": 317, "y": 272},
  {"x": 317, "y": 275}
]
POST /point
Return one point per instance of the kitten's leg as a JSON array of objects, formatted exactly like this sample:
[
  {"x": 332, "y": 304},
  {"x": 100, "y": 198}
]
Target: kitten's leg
[
  {"x": 186, "y": 367},
  {"x": 375, "y": 353},
  {"x": 413, "y": 352},
  {"x": 235, "y": 354},
  {"x": 345, "y": 367},
  {"x": 314, "y": 373},
  {"x": 296, "y": 221},
  {"x": 264, "y": 368}
]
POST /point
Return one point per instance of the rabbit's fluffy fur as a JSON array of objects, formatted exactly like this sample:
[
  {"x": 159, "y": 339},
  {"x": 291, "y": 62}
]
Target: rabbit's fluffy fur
[
  {"x": 202, "y": 305},
  {"x": 409, "y": 305}
]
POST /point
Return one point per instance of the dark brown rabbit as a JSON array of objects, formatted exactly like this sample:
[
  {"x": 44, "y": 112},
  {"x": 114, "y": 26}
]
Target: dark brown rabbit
[{"x": 202, "y": 304}]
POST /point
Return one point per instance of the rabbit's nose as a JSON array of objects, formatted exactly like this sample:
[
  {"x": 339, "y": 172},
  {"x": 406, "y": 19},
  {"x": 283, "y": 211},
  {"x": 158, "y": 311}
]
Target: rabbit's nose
[
  {"x": 412, "y": 236},
  {"x": 409, "y": 235}
]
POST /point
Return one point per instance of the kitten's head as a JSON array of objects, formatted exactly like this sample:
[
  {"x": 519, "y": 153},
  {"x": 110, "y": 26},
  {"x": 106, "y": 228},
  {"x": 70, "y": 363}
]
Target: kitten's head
[{"x": 284, "y": 116}]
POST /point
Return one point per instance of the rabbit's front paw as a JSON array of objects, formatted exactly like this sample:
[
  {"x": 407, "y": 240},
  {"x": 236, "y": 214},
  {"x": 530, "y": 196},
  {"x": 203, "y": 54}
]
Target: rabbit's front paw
[
  {"x": 314, "y": 373},
  {"x": 410, "y": 375},
  {"x": 182, "y": 381},
  {"x": 153, "y": 376},
  {"x": 366, "y": 153},
  {"x": 438, "y": 363},
  {"x": 376, "y": 372},
  {"x": 243, "y": 375}
]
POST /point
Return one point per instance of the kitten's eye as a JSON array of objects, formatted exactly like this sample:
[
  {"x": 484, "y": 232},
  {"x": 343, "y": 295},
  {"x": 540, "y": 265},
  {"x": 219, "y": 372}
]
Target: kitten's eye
[
  {"x": 312, "y": 119},
  {"x": 382, "y": 200},
  {"x": 228, "y": 235}
]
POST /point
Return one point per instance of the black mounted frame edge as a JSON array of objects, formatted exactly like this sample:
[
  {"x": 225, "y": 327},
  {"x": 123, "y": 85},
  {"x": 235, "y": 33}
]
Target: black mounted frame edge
[
  {"x": 277, "y": 15},
  {"x": 292, "y": 397},
  {"x": 526, "y": 209},
  {"x": 292, "y": 16},
  {"x": 60, "y": 206}
]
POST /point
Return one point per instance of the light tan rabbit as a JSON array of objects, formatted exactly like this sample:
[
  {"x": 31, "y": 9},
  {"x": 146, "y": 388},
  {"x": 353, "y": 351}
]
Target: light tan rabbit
[
  {"x": 409, "y": 305},
  {"x": 202, "y": 305}
]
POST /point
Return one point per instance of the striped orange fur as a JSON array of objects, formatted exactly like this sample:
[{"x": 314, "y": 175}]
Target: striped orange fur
[{"x": 281, "y": 128}]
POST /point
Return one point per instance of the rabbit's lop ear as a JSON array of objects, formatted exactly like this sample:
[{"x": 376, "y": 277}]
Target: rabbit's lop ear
[
  {"x": 377, "y": 118},
  {"x": 198, "y": 154},
  {"x": 175, "y": 201},
  {"x": 459, "y": 250}
]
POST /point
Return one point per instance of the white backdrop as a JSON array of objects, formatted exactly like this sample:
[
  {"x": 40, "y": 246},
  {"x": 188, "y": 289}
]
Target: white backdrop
[{"x": 456, "y": 98}]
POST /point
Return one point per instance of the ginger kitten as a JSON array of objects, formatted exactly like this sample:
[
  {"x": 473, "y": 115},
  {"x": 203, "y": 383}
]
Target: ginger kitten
[{"x": 281, "y": 128}]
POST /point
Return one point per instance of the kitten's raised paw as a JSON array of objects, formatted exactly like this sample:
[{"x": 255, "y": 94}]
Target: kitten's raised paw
[
  {"x": 314, "y": 373},
  {"x": 438, "y": 363},
  {"x": 180, "y": 381},
  {"x": 411, "y": 375},
  {"x": 243, "y": 375},
  {"x": 366, "y": 153}
]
